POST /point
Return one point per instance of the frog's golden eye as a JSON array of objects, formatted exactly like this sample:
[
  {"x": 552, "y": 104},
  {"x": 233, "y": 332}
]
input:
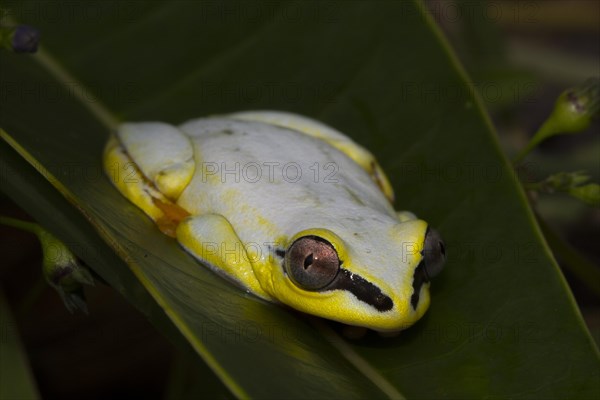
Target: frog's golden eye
[
  {"x": 312, "y": 263},
  {"x": 434, "y": 253}
]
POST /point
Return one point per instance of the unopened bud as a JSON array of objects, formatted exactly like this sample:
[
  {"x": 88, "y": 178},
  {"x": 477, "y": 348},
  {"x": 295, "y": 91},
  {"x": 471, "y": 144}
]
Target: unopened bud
[
  {"x": 64, "y": 272},
  {"x": 61, "y": 268},
  {"x": 573, "y": 112},
  {"x": 20, "y": 39}
]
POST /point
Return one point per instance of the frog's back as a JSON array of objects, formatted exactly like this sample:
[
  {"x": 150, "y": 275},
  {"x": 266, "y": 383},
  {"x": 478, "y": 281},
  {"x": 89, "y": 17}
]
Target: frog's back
[{"x": 265, "y": 179}]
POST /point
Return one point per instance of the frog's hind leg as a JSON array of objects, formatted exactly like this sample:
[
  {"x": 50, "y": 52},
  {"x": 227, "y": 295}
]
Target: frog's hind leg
[
  {"x": 317, "y": 129},
  {"x": 163, "y": 153},
  {"x": 135, "y": 186},
  {"x": 211, "y": 239}
]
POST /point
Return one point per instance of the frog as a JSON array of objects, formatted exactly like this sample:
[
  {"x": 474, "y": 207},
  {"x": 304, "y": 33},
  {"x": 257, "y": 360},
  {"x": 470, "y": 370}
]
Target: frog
[{"x": 286, "y": 207}]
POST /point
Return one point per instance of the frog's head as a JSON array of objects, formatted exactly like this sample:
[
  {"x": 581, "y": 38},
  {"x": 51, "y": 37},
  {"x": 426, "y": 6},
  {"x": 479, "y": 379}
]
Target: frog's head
[{"x": 378, "y": 278}]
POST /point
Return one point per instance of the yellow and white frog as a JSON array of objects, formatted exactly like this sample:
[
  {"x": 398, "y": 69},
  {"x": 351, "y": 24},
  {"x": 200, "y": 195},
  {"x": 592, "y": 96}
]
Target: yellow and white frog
[{"x": 289, "y": 208}]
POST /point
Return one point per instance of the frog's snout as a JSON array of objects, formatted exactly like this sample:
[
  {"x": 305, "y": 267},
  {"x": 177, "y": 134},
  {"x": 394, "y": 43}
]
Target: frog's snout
[{"x": 434, "y": 253}]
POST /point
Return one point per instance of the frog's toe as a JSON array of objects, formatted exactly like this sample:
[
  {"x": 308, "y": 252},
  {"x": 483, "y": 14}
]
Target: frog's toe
[
  {"x": 404, "y": 216},
  {"x": 354, "y": 332}
]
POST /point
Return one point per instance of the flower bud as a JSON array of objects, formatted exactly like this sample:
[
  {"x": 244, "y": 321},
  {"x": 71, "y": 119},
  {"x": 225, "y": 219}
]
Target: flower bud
[
  {"x": 20, "y": 39},
  {"x": 64, "y": 272},
  {"x": 573, "y": 112},
  {"x": 61, "y": 268},
  {"x": 575, "y": 108}
]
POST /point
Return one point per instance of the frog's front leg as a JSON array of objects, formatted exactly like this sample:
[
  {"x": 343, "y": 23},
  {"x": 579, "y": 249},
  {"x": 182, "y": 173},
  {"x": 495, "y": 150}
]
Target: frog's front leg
[{"x": 211, "y": 239}]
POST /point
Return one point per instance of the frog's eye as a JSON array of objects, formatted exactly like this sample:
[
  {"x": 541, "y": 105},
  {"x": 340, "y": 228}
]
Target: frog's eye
[
  {"x": 434, "y": 253},
  {"x": 312, "y": 263}
]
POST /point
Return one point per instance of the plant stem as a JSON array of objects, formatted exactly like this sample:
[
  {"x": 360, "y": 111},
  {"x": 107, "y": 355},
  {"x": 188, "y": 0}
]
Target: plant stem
[
  {"x": 23, "y": 225},
  {"x": 35, "y": 291},
  {"x": 541, "y": 134}
]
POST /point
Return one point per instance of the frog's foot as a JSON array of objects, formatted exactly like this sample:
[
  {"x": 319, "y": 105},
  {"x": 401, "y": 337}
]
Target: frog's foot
[
  {"x": 317, "y": 129},
  {"x": 135, "y": 186},
  {"x": 354, "y": 332},
  {"x": 212, "y": 240},
  {"x": 404, "y": 216}
]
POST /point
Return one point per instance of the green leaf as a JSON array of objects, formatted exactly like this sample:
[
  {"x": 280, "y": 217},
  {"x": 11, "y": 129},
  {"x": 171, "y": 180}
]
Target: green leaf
[
  {"x": 501, "y": 312},
  {"x": 15, "y": 374}
]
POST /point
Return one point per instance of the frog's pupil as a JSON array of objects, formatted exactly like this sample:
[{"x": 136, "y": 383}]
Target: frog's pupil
[{"x": 308, "y": 261}]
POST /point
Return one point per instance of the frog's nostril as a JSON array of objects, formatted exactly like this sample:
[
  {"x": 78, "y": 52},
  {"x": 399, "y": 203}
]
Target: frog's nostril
[{"x": 434, "y": 253}]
